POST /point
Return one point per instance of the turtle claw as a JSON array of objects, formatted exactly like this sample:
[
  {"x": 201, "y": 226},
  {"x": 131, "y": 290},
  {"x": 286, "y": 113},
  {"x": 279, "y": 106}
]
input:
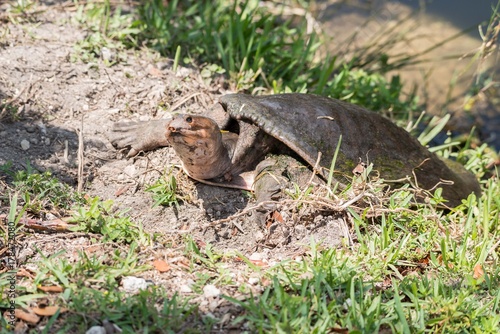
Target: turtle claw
[{"x": 132, "y": 153}]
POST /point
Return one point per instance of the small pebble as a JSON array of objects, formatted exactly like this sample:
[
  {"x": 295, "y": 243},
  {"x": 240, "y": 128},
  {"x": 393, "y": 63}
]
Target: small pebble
[
  {"x": 183, "y": 72},
  {"x": 185, "y": 289},
  {"x": 106, "y": 54},
  {"x": 25, "y": 145},
  {"x": 212, "y": 306},
  {"x": 253, "y": 280},
  {"x": 129, "y": 170},
  {"x": 256, "y": 257},
  {"x": 96, "y": 330},
  {"x": 133, "y": 284},
  {"x": 42, "y": 127},
  {"x": 30, "y": 128},
  {"x": 113, "y": 111},
  {"x": 210, "y": 291}
]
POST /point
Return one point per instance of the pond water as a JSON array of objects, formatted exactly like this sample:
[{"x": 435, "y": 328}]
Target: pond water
[
  {"x": 444, "y": 75},
  {"x": 463, "y": 14}
]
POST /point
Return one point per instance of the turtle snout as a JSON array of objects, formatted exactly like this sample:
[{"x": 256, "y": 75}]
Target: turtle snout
[{"x": 180, "y": 123}]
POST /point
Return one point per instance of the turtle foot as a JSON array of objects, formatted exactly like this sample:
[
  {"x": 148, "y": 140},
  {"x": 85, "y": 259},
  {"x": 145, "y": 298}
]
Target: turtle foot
[
  {"x": 139, "y": 136},
  {"x": 272, "y": 176}
]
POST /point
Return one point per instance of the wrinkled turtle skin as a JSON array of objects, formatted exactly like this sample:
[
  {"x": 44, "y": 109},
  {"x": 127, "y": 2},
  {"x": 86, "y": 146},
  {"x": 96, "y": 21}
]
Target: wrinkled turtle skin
[{"x": 302, "y": 125}]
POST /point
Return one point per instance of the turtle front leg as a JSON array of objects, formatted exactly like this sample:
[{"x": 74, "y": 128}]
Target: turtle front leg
[
  {"x": 268, "y": 184},
  {"x": 139, "y": 136},
  {"x": 275, "y": 174}
]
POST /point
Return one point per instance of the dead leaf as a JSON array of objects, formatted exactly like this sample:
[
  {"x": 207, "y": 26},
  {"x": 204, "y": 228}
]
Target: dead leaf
[
  {"x": 24, "y": 273},
  {"x": 155, "y": 72},
  {"x": 278, "y": 217},
  {"x": 28, "y": 317},
  {"x": 161, "y": 266},
  {"x": 92, "y": 249},
  {"x": 49, "y": 310},
  {"x": 424, "y": 261},
  {"x": 274, "y": 217},
  {"x": 52, "y": 288},
  {"x": 360, "y": 168},
  {"x": 184, "y": 263},
  {"x": 200, "y": 243},
  {"x": 121, "y": 190},
  {"x": 478, "y": 271},
  {"x": 54, "y": 225},
  {"x": 265, "y": 282},
  {"x": 258, "y": 263}
]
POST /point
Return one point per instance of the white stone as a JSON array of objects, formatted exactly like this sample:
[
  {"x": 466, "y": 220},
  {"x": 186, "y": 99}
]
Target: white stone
[
  {"x": 134, "y": 284},
  {"x": 129, "y": 170},
  {"x": 25, "y": 145},
  {"x": 42, "y": 127},
  {"x": 106, "y": 54},
  {"x": 210, "y": 291},
  {"x": 96, "y": 330},
  {"x": 185, "y": 288},
  {"x": 253, "y": 280},
  {"x": 256, "y": 257}
]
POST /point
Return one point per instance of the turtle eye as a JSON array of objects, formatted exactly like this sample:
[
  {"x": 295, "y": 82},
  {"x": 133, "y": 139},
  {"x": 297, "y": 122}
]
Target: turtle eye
[{"x": 189, "y": 119}]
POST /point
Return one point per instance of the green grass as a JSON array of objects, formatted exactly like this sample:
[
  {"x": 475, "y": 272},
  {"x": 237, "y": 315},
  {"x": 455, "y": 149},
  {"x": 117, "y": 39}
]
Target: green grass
[
  {"x": 146, "y": 312},
  {"x": 165, "y": 190},
  {"x": 110, "y": 33},
  {"x": 41, "y": 192},
  {"x": 410, "y": 271},
  {"x": 261, "y": 51},
  {"x": 98, "y": 216}
]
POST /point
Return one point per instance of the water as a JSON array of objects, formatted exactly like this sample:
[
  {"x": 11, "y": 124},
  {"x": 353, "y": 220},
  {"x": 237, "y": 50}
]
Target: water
[
  {"x": 446, "y": 74},
  {"x": 463, "y": 14}
]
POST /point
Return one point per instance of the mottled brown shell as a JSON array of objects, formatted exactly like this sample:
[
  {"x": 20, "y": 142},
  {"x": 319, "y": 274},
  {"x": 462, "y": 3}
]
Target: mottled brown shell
[{"x": 310, "y": 124}]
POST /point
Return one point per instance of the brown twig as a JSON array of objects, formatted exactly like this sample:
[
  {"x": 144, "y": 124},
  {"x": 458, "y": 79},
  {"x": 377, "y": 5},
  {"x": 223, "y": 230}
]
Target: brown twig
[
  {"x": 81, "y": 158},
  {"x": 313, "y": 174},
  {"x": 184, "y": 100}
]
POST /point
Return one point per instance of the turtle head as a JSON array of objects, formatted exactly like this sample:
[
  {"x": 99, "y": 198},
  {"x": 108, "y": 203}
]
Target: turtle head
[
  {"x": 197, "y": 140},
  {"x": 191, "y": 129},
  {"x": 191, "y": 126}
]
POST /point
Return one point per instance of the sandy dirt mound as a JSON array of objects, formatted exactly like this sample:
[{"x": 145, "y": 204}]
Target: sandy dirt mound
[{"x": 58, "y": 98}]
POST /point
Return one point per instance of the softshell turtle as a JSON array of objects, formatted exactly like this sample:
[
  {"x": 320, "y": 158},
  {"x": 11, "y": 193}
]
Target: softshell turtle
[{"x": 299, "y": 124}]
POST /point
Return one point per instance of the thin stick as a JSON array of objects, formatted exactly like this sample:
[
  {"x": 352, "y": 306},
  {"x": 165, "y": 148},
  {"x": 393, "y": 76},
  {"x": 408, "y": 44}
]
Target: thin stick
[{"x": 81, "y": 158}]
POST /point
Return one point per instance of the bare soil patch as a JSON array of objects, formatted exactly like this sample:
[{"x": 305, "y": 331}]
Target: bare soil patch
[{"x": 57, "y": 98}]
